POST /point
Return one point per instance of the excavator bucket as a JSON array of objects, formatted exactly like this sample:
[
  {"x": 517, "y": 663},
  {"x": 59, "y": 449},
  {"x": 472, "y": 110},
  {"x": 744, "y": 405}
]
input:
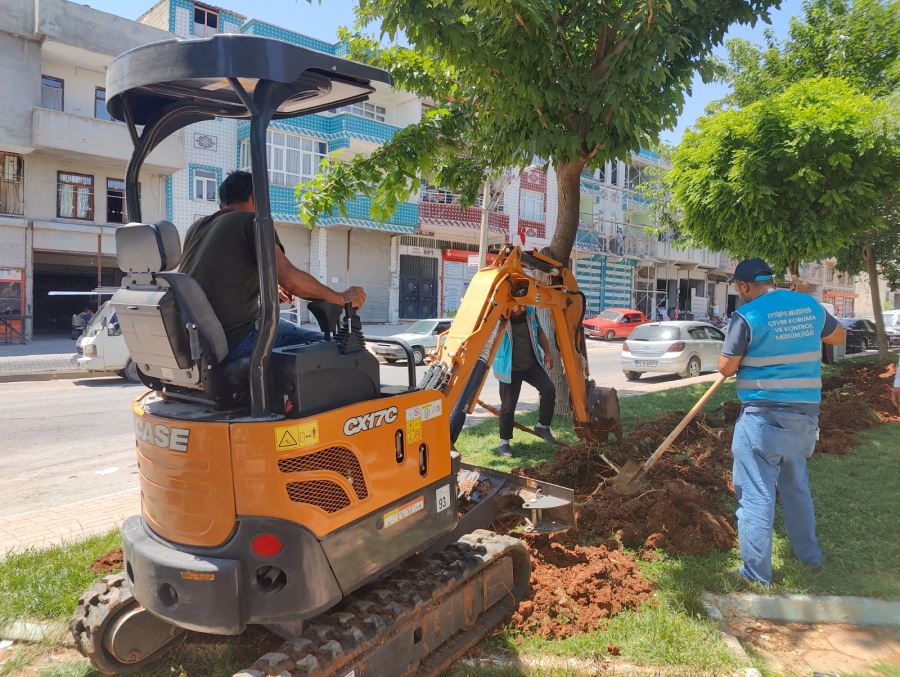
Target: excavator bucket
[{"x": 603, "y": 416}]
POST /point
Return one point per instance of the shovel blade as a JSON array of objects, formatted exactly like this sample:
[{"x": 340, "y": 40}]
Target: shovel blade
[{"x": 631, "y": 479}]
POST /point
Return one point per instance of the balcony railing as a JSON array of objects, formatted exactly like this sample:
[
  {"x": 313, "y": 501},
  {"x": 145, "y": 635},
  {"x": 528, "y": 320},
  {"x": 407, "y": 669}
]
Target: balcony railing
[{"x": 445, "y": 197}]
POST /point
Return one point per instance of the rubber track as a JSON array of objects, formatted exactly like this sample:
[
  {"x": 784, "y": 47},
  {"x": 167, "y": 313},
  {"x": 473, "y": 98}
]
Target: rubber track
[
  {"x": 108, "y": 596},
  {"x": 334, "y": 642}
]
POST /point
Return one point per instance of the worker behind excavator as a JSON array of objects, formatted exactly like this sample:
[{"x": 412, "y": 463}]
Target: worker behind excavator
[
  {"x": 774, "y": 346},
  {"x": 220, "y": 253},
  {"x": 523, "y": 355}
]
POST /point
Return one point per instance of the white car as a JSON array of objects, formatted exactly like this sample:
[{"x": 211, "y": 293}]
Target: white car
[
  {"x": 892, "y": 326},
  {"x": 422, "y": 337},
  {"x": 681, "y": 347}
]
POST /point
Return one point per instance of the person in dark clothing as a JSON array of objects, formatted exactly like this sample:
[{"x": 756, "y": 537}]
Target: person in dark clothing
[
  {"x": 523, "y": 356},
  {"x": 220, "y": 253}
]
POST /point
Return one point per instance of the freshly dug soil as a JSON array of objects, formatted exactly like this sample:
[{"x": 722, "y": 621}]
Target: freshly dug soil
[
  {"x": 575, "y": 587},
  {"x": 111, "y": 562}
]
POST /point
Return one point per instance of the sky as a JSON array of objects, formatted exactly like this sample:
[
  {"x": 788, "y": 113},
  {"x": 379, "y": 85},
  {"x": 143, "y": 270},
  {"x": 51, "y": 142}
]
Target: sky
[{"x": 321, "y": 20}]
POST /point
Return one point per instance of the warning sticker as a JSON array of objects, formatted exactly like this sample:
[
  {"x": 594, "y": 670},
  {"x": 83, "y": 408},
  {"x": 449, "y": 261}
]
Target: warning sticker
[
  {"x": 426, "y": 411},
  {"x": 404, "y": 511},
  {"x": 289, "y": 437},
  {"x": 414, "y": 431}
]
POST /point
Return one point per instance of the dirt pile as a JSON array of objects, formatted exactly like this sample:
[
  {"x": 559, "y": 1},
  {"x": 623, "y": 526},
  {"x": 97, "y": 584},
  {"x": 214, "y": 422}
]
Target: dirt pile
[
  {"x": 857, "y": 399},
  {"x": 111, "y": 562},
  {"x": 575, "y": 587}
]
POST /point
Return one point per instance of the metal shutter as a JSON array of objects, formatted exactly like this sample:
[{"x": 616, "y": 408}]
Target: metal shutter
[{"x": 370, "y": 268}]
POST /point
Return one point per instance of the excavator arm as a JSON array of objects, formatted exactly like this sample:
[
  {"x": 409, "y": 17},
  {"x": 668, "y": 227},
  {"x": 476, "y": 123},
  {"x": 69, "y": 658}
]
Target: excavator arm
[{"x": 467, "y": 349}]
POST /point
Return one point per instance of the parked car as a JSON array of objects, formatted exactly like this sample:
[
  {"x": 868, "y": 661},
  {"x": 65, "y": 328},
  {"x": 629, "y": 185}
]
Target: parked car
[
  {"x": 683, "y": 347},
  {"x": 422, "y": 337},
  {"x": 892, "y": 326},
  {"x": 614, "y": 323},
  {"x": 861, "y": 334}
]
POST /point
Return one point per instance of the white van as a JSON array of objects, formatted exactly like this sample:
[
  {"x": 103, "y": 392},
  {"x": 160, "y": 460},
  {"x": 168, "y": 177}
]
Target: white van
[{"x": 102, "y": 346}]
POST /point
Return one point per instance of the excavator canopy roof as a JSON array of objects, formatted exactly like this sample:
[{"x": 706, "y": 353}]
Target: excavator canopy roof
[{"x": 144, "y": 82}]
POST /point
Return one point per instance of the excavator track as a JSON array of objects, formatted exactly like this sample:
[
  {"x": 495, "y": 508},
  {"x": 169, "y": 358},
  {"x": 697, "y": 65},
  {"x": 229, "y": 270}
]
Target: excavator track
[
  {"x": 418, "y": 620},
  {"x": 114, "y": 631}
]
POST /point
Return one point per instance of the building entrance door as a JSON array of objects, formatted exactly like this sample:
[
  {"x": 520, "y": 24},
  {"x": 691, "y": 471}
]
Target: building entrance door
[{"x": 418, "y": 287}]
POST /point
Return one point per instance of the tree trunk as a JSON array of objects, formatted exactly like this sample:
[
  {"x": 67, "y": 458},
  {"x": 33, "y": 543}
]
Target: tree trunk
[
  {"x": 872, "y": 270},
  {"x": 568, "y": 187}
]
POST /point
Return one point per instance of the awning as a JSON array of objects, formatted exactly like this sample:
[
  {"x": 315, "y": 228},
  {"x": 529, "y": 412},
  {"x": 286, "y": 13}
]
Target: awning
[
  {"x": 460, "y": 231},
  {"x": 835, "y": 294},
  {"x": 365, "y": 224}
]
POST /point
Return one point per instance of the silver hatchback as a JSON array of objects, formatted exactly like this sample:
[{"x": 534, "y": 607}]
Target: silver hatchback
[{"x": 681, "y": 347}]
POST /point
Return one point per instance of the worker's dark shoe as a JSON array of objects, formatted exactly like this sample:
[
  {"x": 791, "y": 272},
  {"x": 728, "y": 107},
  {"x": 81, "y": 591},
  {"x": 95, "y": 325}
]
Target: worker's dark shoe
[
  {"x": 505, "y": 450},
  {"x": 544, "y": 432}
]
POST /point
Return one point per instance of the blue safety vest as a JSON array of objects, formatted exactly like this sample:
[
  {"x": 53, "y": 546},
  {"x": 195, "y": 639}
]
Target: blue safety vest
[
  {"x": 503, "y": 359},
  {"x": 783, "y": 362}
]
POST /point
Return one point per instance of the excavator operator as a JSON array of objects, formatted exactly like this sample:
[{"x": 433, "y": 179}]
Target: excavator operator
[{"x": 220, "y": 253}]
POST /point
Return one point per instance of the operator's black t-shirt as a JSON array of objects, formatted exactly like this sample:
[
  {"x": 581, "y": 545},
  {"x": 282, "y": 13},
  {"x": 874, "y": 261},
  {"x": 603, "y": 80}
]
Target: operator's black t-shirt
[
  {"x": 523, "y": 357},
  {"x": 220, "y": 253}
]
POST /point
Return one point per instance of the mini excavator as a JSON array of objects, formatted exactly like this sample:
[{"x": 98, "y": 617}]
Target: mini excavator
[{"x": 291, "y": 489}]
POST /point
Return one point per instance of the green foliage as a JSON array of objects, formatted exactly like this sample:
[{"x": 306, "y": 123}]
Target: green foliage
[
  {"x": 792, "y": 177},
  {"x": 577, "y": 83},
  {"x": 858, "y": 41}
]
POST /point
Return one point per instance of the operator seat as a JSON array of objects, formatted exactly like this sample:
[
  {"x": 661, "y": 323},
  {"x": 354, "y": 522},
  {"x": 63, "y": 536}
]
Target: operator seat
[{"x": 172, "y": 333}]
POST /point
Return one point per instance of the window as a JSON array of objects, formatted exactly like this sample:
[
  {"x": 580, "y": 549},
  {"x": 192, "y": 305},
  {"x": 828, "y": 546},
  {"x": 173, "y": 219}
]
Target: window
[
  {"x": 74, "y": 196},
  {"x": 442, "y": 327},
  {"x": 614, "y": 173},
  {"x": 100, "y": 111},
  {"x": 715, "y": 334},
  {"x": 52, "y": 90},
  {"x": 115, "y": 201},
  {"x": 364, "y": 109},
  {"x": 12, "y": 195},
  {"x": 292, "y": 159},
  {"x": 206, "y": 22},
  {"x": 698, "y": 333},
  {"x": 205, "y": 181},
  {"x": 633, "y": 319},
  {"x": 531, "y": 205}
]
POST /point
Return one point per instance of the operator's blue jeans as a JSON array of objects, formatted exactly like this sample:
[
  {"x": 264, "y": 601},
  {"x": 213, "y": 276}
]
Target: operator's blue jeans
[
  {"x": 289, "y": 334},
  {"x": 770, "y": 448}
]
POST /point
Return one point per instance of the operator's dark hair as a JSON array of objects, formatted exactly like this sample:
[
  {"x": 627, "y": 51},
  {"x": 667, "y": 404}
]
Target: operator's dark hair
[{"x": 237, "y": 187}]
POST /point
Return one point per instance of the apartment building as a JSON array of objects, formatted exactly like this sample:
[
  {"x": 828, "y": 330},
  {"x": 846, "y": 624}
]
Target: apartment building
[{"x": 62, "y": 159}]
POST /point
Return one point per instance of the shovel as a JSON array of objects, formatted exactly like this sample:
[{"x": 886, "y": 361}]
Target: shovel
[{"x": 633, "y": 475}]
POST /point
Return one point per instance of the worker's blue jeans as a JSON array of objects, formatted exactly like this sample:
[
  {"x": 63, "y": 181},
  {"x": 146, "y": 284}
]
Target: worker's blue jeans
[
  {"x": 288, "y": 334},
  {"x": 770, "y": 449}
]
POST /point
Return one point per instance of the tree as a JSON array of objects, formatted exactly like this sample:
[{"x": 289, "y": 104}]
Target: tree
[
  {"x": 574, "y": 83},
  {"x": 856, "y": 40},
  {"x": 796, "y": 176}
]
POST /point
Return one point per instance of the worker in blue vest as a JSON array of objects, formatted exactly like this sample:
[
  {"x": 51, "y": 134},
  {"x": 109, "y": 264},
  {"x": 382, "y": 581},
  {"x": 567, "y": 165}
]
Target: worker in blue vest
[{"x": 774, "y": 346}]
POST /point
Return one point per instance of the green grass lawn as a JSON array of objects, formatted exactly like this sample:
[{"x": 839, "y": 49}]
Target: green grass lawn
[{"x": 856, "y": 505}]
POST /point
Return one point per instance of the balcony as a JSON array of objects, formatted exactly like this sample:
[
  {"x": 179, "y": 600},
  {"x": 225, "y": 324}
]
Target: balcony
[
  {"x": 99, "y": 141},
  {"x": 441, "y": 215}
]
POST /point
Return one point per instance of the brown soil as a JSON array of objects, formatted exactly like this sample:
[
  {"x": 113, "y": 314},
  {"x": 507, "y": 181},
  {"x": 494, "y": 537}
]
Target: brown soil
[
  {"x": 575, "y": 587},
  {"x": 111, "y": 562},
  {"x": 687, "y": 506}
]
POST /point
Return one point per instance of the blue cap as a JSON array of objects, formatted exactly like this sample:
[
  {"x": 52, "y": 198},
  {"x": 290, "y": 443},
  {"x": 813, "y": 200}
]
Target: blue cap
[{"x": 752, "y": 270}]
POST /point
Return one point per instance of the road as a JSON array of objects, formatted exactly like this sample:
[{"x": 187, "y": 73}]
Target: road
[{"x": 70, "y": 440}]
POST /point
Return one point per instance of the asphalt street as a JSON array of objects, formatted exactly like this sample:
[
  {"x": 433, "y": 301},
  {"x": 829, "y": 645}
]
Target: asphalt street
[{"x": 69, "y": 440}]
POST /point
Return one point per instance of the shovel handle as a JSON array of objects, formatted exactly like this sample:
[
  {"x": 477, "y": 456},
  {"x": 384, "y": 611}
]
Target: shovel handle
[{"x": 666, "y": 443}]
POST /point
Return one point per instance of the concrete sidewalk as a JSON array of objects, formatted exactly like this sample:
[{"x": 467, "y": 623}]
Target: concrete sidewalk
[
  {"x": 41, "y": 357},
  {"x": 67, "y": 523}
]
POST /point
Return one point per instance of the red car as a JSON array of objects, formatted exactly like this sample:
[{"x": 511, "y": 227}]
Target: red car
[{"x": 614, "y": 323}]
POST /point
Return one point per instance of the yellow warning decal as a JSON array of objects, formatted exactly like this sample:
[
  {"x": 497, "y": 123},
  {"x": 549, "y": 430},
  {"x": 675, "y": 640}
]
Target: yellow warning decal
[
  {"x": 198, "y": 576},
  {"x": 414, "y": 431},
  {"x": 289, "y": 437}
]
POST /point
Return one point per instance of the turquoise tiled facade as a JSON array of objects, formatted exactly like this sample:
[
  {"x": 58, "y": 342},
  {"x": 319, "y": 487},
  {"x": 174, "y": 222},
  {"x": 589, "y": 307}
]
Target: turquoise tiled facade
[
  {"x": 267, "y": 30},
  {"x": 337, "y": 130}
]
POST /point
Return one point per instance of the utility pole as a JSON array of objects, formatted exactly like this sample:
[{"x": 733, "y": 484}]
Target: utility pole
[{"x": 485, "y": 216}]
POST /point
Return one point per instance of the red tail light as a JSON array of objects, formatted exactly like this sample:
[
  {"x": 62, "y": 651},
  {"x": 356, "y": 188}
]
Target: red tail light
[
  {"x": 266, "y": 545},
  {"x": 626, "y": 348},
  {"x": 676, "y": 347}
]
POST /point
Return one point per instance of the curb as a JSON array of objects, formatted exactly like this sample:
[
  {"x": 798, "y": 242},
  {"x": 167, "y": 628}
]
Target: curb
[
  {"x": 55, "y": 632},
  {"x": 578, "y": 666},
  {"x": 860, "y": 611},
  {"x": 54, "y": 375}
]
